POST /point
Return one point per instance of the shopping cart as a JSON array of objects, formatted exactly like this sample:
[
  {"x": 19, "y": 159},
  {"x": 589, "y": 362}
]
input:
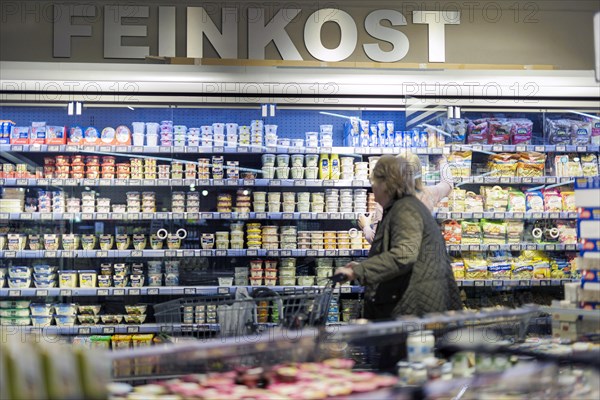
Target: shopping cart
[{"x": 249, "y": 312}]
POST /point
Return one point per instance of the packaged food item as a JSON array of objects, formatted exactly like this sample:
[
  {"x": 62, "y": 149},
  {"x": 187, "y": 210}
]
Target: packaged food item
[
  {"x": 475, "y": 266},
  {"x": 452, "y": 232},
  {"x": 521, "y": 131},
  {"x": 459, "y": 163},
  {"x": 589, "y": 165},
  {"x": 477, "y": 131},
  {"x": 580, "y": 132},
  {"x": 499, "y": 131},
  {"x": 67, "y": 279},
  {"x": 458, "y": 268},
  {"x": 558, "y": 131},
  {"x": 87, "y": 279},
  {"x": 560, "y": 268},
  {"x": 473, "y": 202},
  {"x": 503, "y": 164},
  {"x": 499, "y": 270},
  {"x": 516, "y": 201},
  {"x": 521, "y": 270},
  {"x": 552, "y": 200},
  {"x": 495, "y": 199},
  {"x": 91, "y": 136},
  {"x": 541, "y": 269},
  {"x": 514, "y": 231},
  {"x": 471, "y": 232},
  {"x": 531, "y": 164},
  {"x": 457, "y": 128},
  {"x": 568, "y": 166},
  {"x": 494, "y": 232},
  {"x": 568, "y": 201},
  {"x": 457, "y": 200},
  {"x": 534, "y": 201},
  {"x": 567, "y": 232}
]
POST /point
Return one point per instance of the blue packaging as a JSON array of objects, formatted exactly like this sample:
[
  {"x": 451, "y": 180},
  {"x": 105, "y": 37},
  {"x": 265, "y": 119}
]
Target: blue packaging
[
  {"x": 389, "y": 134},
  {"x": 373, "y": 137},
  {"x": 407, "y": 135},
  {"x": 398, "y": 139},
  {"x": 416, "y": 139},
  {"x": 423, "y": 139}
]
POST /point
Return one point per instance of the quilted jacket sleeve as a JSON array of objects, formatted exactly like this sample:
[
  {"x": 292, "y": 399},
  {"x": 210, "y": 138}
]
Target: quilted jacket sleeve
[{"x": 404, "y": 231}]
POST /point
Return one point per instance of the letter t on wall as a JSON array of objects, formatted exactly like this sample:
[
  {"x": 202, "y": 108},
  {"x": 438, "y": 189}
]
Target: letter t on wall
[{"x": 436, "y": 30}]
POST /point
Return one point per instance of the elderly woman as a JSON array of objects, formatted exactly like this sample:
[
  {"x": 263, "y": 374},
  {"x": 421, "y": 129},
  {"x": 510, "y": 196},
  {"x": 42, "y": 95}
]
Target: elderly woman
[
  {"x": 408, "y": 269},
  {"x": 429, "y": 195}
]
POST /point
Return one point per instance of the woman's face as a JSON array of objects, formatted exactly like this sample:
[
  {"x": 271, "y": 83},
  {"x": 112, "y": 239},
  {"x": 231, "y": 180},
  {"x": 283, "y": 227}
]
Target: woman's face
[{"x": 381, "y": 195}]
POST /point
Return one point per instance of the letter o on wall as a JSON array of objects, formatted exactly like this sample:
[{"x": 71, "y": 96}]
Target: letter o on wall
[{"x": 348, "y": 36}]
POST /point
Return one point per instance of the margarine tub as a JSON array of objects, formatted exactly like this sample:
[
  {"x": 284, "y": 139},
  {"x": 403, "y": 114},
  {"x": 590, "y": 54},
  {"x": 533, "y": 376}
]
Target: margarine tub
[
  {"x": 155, "y": 242},
  {"x": 106, "y": 241},
  {"x": 35, "y": 242},
  {"x": 123, "y": 242},
  {"x": 14, "y": 312},
  {"x": 87, "y": 279},
  {"x": 88, "y": 242},
  {"x": 16, "y": 241},
  {"x": 67, "y": 279},
  {"x": 51, "y": 242},
  {"x": 70, "y": 241},
  {"x": 139, "y": 241}
]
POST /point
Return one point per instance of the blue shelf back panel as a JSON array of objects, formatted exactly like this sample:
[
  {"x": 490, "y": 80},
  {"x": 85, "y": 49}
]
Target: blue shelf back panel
[{"x": 290, "y": 123}]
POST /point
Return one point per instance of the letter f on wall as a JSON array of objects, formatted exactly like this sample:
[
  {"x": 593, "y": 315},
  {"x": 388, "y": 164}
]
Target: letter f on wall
[{"x": 64, "y": 30}]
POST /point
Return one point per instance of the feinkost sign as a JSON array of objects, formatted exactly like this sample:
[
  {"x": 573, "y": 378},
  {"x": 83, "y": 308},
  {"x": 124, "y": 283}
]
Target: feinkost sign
[{"x": 260, "y": 32}]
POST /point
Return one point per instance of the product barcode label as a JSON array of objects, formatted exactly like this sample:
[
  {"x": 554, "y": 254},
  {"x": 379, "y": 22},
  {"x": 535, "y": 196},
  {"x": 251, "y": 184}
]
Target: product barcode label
[
  {"x": 299, "y": 182},
  {"x": 177, "y": 182},
  {"x": 242, "y": 149},
  {"x": 133, "y": 329},
  {"x": 177, "y": 215},
  {"x": 249, "y": 182},
  {"x": 289, "y": 289},
  {"x": 102, "y": 254},
  {"x": 205, "y": 253},
  {"x": 286, "y": 253},
  {"x": 170, "y": 253},
  {"x": 531, "y": 247},
  {"x": 225, "y": 215},
  {"x": 275, "y": 182},
  {"x": 232, "y": 182},
  {"x": 189, "y": 291},
  {"x": 108, "y": 330},
  {"x": 478, "y": 215},
  {"x": 329, "y": 183},
  {"x": 65, "y": 292},
  {"x": 252, "y": 253},
  {"x": 223, "y": 290},
  {"x": 86, "y": 330},
  {"x": 102, "y": 292},
  {"x": 272, "y": 253},
  {"x": 136, "y": 253},
  {"x": 322, "y": 216},
  {"x": 221, "y": 253},
  {"x": 188, "y": 253},
  {"x": 287, "y": 216},
  {"x": 335, "y": 216},
  {"x": 344, "y": 253},
  {"x": 152, "y": 292},
  {"x": 305, "y": 216},
  {"x": 311, "y": 253},
  {"x": 346, "y": 289},
  {"x": 515, "y": 247},
  {"x": 104, "y": 182},
  {"x": 119, "y": 292},
  {"x": 14, "y": 293},
  {"x": 479, "y": 283},
  {"x": 330, "y": 253},
  {"x": 41, "y": 292},
  {"x": 135, "y": 182},
  {"x": 4, "y": 216},
  {"x": 260, "y": 215},
  {"x": 134, "y": 292},
  {"x": 44, "y": 182},
  {"x": 50, "y": 254}
]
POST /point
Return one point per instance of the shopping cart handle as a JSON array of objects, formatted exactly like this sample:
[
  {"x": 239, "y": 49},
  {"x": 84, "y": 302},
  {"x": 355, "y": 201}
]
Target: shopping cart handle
[{"x": 338, "y": 278}]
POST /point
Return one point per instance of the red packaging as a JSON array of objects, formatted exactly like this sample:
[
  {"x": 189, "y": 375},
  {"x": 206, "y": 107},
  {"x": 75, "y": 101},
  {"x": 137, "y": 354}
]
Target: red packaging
[
  {"x": 499, "y": 131},
  {"x": 78, "y": 175},
  {"x": 521, "y": 131},
  {"x": 108, "y": 160},
  {"x": 477, "y": 131}
]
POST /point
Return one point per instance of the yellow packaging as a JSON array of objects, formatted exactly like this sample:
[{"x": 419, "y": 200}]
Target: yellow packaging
[
  {"x": 334, "y": 162},
  {"x": 324, "y": 167}
]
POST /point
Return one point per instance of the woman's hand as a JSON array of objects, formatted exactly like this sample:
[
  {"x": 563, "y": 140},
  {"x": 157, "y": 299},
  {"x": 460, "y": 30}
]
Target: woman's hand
[
  {"x": 347, "y": 270},
  {"x": 364, "y": 220}
]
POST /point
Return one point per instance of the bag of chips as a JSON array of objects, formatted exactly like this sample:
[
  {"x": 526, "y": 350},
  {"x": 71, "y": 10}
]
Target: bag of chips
[
  {"x": 516, "y": 201},
  {"x": 534, "y": 201},
  {"x": 477, "y": 131},
  {"x": 531, "y": 164}
]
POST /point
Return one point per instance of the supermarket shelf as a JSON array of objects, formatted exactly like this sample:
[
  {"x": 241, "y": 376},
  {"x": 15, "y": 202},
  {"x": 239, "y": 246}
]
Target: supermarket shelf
[
  {"x": 178, "y": 253},
  {"x": 513, "y": 247},
  {"x": 286, "y": 183},
  {"x": 21, "y": 182},
  {"x": 259, "y": 252},
  {"x": 520, "y": 148},
  {"x": 297, "y": 150},
  {"x": 505, "y": 215},
  {"x": 523, "y": 283},
  {"x": 162, "y": 291},
  {"x": 112, "y": 329},
  {"x": 581, "y": 313},
  {"x": 171, "y": 216}
]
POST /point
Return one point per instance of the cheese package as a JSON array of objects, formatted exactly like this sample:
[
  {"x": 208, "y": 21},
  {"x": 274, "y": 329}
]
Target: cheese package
[
  {"x": 75, "y": 135},
  {"x": 91, "y": 136},
  {"x": 19, "y": 135},
  {"x": 122, "y": 136},
  {"x": 37, "y": 133},
  {"x": 56, "y": 134}
]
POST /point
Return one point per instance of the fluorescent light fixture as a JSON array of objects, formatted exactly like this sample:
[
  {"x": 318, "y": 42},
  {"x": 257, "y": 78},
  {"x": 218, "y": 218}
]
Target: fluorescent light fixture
[
  {"x": 131, "y": 108},
  {"x": 453, "y": 112},
  {"x": 585, "y": 115},
  {"x": 74, "y": 108}
]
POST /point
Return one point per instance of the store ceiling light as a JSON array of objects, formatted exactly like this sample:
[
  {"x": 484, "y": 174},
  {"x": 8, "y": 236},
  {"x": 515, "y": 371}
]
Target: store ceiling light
[
  {"x": 74, "y": 108},
  {"x": 453, "y": 112}
]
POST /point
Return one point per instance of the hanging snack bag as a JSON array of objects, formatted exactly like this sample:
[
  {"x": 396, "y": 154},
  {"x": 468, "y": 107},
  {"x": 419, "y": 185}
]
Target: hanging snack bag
[
  {"x": 458, "y": 268},
  {"x": 521, "y": 131},
  {"x": 514, "y": 231},
  {"x": 477, "y": 131},
  {"x": 567, "y": 232},
  {"x": 541, "y": 269},
  {"x": 595, "y": 139},
  {"x": 499, "y": 270},
  {"x": 456, "y": 200},
  {"x": 534, "y": 201},
  {"x": 499, "y": 131},
  {"x": 521, "y": 270}
]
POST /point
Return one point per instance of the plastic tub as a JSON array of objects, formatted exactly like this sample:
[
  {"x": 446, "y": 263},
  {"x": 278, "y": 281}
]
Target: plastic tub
[
  {"x": 19, "y": 283},
  {"x": 43, "y": 269},
  {"x": 136, "y": 309},
  {"x": 19, "y": 272},
  {"x": 111, "y": 319},
  {"x": 15, "y": 304},
  {"x": 88, "y": 319},
  {"x": 41, "y": 310},
  {"x": 40, "y": 320},
  {"x": 135, "y": 318},
  {"x": 306, "y": 280},
  {"x": 89, "y": 309},
  {"x": 14, "y": 312}
]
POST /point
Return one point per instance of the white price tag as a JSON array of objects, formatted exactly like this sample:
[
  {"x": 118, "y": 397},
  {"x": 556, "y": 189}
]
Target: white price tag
[
  {"x": 189, "y": 291},
  {"x": 135, "y": 292},
  {"x": 152, "y": 291},
  {"x": 65, "y": 292},
  {"x": 119, "y": 292},
  {"x": 41, "y": 292},
  {"x": 86, "y": 330},
  {"x": 252, "y": 253},
  {"x": 14, "y": 293},
  {"x": 133, "y": 329},
  {"x": 218, "y": 182},
  {"x": 43, "y": 182},
  {"x": 102, "y": 292},
  {"x": 136, "y": 253},
  {"x": 108, "y": 330},
  {"x": 102, "y": 254}
]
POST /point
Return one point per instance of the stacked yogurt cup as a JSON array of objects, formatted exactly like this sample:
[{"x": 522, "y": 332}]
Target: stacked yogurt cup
[
  {"x": 179, "y": 135},
  {"x": 274, "y": 201},
  {"x": 297, "y": 170},
  {"x": 270, "y": 237},
  {"x": 237, "y": 235},
  {"x": 326, "y": 135},
  {"x": 323, "y": 269},
  {"x": 303, "y": 204},
  {"x": 166, "y": 133},
  {"x": 289, "y": 202},
  {"x": 138, "y": 135},
  {"x": 332, "y": 200},
  {"x": 231, "y": 134},
  {"x": 193, "y": 137},
  {"x": 268, "y": 166},
  {"x": 152, "y": 130},
  {"x": 361, "y": 171},
  {"x": 288, "y": 237},
  {"x": 206, "y": 138},
  {"x": 346, "y": 199},
  {"x": 360, "y": 201},
  {"x": 287, "y": 272},
  {"x": 312, "y": 139},
  {"x": 222, "y": 240},
  {"x": 347, "y": 168},
  {"x": 312, "y": 166},
  {"x": 260, "y": 201},
  {"x": 283, "y": 166},
  {"x": 317, "y": 202},
  {"x": 270, "y": 135},
  {"x": 372, "y": 162},
  {"x": 256, "y": 133},
  {"x": 244, "y": 135},
  {"x": 218, "y": 134}
]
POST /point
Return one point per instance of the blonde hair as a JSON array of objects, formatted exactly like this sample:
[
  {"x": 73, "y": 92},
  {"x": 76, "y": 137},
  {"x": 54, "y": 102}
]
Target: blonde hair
[
  {"x": 396, "y": 175},
  {"x": 415, "y": 163}
]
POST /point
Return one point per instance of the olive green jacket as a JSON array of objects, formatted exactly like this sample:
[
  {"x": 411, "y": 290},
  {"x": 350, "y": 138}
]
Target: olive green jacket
[{"x": 408, "y": 269}]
